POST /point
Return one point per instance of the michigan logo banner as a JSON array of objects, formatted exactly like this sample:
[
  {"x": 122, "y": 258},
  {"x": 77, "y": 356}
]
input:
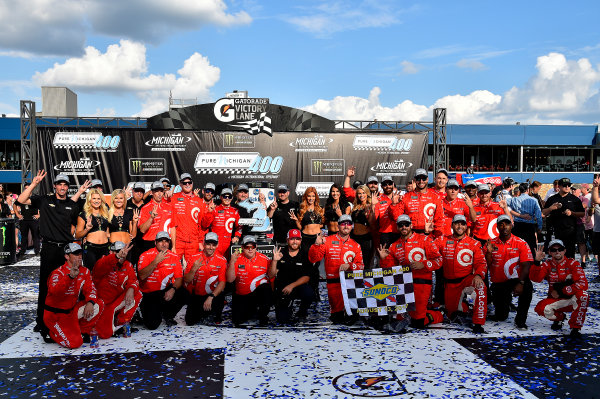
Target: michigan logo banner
[{"x": 378, "y": 292}]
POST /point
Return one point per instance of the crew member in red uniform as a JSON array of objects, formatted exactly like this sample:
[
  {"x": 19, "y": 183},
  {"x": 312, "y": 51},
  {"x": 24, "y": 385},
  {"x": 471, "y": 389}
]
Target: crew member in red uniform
[
  {"x": 65, "y": 315},
  {"x": 509, "y": 258},
  {"x": 388, "y": 232},
  {"x": 205, "y": 281},
  {"x": 341, "y": 253},
  {"x": 161, "y": 277},
  {"x": 223, "y": 220},
  {"x": 421, "y": 205},
  {"x": 464, "y": 267},
  {"x": 207, "y": 198},
  {"x": 471, "y": 191},
  {"x": 155, "y": 216},
  {"x": 118, "y": 287},
  {"x": 187, "y": 218},
  {"x": 253, "y": 291},
  {"x": 452, "y": 205},
  {"x": 567, "y": 288},
  {"x": 485, "y": 227},
  {"x": 441, "y": 182},
  {"x": 422, "y": 255}
]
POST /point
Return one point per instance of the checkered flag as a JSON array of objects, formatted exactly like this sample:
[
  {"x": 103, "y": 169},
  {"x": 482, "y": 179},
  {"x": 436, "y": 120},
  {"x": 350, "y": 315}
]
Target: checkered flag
[
  {"x": 378, "y": 292},
  {"x": 221, "y": 171},
  {"x": 256, "y": 126}
]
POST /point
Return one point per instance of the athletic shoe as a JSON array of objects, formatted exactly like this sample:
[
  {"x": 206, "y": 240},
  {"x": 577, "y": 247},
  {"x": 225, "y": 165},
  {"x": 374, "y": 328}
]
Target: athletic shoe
[
  {"x": 575, "y": 333},
  {"x": 521, "y": 326},
  {"x": 557, "y": 325},
  {"x": 478, "y": 329}
]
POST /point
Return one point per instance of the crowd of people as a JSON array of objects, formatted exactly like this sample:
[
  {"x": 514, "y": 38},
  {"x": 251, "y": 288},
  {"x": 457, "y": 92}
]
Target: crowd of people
[{"x": 148, "y": 254}]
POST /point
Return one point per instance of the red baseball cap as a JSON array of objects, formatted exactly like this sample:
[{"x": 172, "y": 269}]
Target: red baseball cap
[{"x": 294, "y": 233}]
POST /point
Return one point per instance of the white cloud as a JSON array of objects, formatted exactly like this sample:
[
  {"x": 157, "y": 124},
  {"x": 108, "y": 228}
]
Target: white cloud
[
  {"x": 331, "y": 17},
  {"x": 409, "y": 68},
  {"x": 60, "y": 27},
  {"x": 104, "y": 112},
  {"x": 471, "y": 64},
  {"x": 124, "y": 68},
  {"x": 561, "y": 92}
]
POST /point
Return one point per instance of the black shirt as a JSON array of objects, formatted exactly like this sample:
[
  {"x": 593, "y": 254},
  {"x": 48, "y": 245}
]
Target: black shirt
[
  {"x": 99, "y": 223},
  {"x": 121, "y": 223},
  {"x": 130, "y": 206},
  {"x": 56, "y": 217},
  {"x": 282, "y": 223},
  {"x": 290, "y": 269},
  {"x": 27, "y": 211},
  {"x": 561, "y": 222}
]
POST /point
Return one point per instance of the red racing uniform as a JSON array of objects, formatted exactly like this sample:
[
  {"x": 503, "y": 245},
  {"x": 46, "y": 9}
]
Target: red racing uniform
[
  {"x": 386, "y": 223},
  {"x": 113, "y": 279},
  {"x": 418, "y": 248},
  {"x": 162, "y": 222},
  {"x": 336, "y": 252},
  {"x": 485, "y": 227},
  {"x": 250, "y": 273},
  {"x": 450, "y": 209},
  {"x": 203, "y": 211},
  {"x": 573, "y": 297},
  {"x": 441, "y": 195},
  {"x": 187, "y": 217},
  {"x": 462, "y": 260},
  {"x": 507, "y": 259},
  {"x": 420, "y": 207},
  {"x": 63, "y": 311},
  {"x": 223, "y": 221},
  {"x": 210, "y": 273},
  {"x": 164, "y": 274}
]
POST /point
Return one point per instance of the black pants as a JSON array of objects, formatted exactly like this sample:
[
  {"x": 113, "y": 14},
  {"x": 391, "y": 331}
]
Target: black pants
[
  {"x": 526, "y": 231},
  {"x": 307, "y": 241},
  {"x": 283, "y": 303},
  {"x": 52, "y": 257},
  {"x": 502, "y": 297},
  {"x": 154, "y": 307},
  {"x": 438, "y": 290},
  {"x": 366, "y": 246},
  {"x": 134, "y": 254},
  {"x": 195, "y": 308},
  {"x": 92, "y": 253},
  {"x": 243, "y": 307},
  {"x": 388, "y": 239},
  {"x": 27, "y": 226}
]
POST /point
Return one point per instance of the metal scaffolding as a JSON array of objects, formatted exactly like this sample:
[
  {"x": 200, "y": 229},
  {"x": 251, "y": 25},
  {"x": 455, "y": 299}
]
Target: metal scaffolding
[
  {"x": 440, "y": 159},
  {"x": 28, "y": 140}
]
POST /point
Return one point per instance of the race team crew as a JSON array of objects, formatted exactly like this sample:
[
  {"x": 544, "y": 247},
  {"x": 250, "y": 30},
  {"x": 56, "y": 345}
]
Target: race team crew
[{"x": 185, "y": 241}]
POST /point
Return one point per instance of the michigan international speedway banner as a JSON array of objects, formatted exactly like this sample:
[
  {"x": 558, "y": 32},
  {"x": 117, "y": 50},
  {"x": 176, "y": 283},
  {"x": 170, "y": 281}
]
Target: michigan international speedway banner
[
  {"x": 229, "y": 142},
  {"x": 378, "y": 292}
]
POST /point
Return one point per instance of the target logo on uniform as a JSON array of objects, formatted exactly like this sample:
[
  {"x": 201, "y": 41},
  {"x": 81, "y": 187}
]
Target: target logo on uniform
[
  {"x": 429, "y": 210},
  {"x": 262, "y": 279},
  {"x": 229, "y": 224},
  {"x": 510, "y": 268},
  {"x": 211, "y": 284},
  {"x": 416, "y": 255},
  {"x": 166, "y": 281},
  {"x": 493, "y": 229},
  {"x": 167, "y": 225},
  {"x": 195, "y": 213},
  {"x": 349, "y": 257},
  {"x": 464, "y": 257}
]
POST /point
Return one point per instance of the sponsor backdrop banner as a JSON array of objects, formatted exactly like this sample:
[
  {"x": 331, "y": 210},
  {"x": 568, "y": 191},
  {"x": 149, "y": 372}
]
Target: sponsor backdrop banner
[
  {"x": 378, "y": 292},
  {"x": 255, "y": 153}
]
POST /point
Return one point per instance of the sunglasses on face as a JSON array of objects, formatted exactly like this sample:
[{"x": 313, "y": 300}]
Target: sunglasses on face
[
  {"x": 460, "y": 222},
  {"x": 555, "y": 249},
  {"x": 249, "y": 246},
  {"x": 282, "y": 192},
  {"x": 452, "y": 188},
  {"x": 210, "y": 191},
  {"x": 186, "y": 183},
  {"x": 420, "y": 178},
  {"x": 403, "y": 224},
  {"x": 384, "y": 184},
  {"x": 243, "y": 191},
  {"x": 346, "y": 224},
  {"x": 226, "y": 196}
]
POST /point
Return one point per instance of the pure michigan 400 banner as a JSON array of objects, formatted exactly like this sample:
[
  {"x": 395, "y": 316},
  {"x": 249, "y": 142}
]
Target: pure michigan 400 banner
[{"x": 378, "y": 292}]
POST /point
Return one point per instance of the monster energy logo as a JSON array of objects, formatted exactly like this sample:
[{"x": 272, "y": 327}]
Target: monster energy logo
[
  {"x": 3, "y": 235},
  {"x": 327, "y": 167},
  {"x": 228, "y": 140},
  {"x": 136, "y": 166},
  {"x": 317, "y": 167}
]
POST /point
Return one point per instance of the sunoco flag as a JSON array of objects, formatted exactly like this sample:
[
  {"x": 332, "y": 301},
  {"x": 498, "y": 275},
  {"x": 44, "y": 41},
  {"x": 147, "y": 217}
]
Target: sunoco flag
[{"x": 378, "y": 292}]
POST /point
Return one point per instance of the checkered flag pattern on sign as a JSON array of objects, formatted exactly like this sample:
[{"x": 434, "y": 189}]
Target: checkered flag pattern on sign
[
  {"x": 256, "y": 126},
  {"x": 378, "y": 292}
]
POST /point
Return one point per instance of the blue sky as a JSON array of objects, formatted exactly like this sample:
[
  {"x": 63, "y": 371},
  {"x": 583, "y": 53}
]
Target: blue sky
[{"x": 487, "y": 62}]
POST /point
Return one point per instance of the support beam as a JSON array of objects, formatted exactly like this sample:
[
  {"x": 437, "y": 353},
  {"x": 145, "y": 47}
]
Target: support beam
[
  {"x": 440, "y": 159},
  {"x": 28, "y": 140}
]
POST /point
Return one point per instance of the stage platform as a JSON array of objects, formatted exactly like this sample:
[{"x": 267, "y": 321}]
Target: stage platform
[{"x": 311, "y": 360}]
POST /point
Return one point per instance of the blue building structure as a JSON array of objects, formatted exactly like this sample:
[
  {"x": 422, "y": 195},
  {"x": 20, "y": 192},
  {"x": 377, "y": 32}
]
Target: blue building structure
[{"x": 535, "y": 152}]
